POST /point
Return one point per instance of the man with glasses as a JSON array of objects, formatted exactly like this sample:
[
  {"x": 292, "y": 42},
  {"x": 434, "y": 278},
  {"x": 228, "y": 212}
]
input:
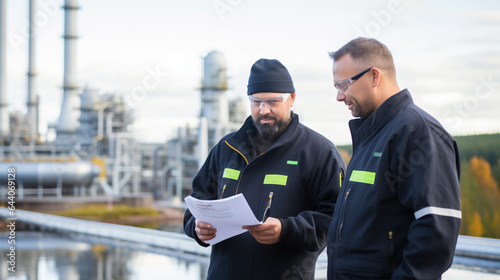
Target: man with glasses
[
  {"x": 398, "y": 213},
  {"x": 272, "y": 155}
]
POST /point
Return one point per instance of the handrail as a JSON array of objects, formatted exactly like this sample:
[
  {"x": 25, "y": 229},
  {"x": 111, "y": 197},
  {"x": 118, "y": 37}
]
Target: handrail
[{"x": 143, "y": 236}]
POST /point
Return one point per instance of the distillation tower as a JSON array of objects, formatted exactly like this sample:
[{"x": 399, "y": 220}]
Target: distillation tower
[
  {"x": 219, "y": 115},
  {"x": 70, "y": 113}
]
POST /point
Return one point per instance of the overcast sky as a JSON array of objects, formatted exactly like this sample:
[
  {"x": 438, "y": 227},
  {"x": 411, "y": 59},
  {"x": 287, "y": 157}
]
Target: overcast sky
[{"x": 447, "y": 53}]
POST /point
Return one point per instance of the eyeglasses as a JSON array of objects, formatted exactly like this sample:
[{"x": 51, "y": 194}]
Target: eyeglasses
[
  {"x": 270, "y": 103},
  {"x": 344, "y": 85}
]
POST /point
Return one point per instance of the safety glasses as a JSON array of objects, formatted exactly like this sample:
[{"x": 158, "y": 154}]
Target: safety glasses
[
  {"x": 344, "y": 85},
  {"x": 270, "y": 103}
]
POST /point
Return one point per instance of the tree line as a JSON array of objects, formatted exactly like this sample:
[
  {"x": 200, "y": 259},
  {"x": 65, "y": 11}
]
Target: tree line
[{"x": 479, "y": 184}]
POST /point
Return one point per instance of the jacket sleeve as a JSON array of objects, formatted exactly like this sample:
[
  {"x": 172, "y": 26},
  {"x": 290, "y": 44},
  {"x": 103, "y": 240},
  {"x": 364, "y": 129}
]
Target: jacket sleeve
[
  {"x": 308, "y": 230},
  {"x": 429, "y": 171},
  {"x": 204, "y": 187}
]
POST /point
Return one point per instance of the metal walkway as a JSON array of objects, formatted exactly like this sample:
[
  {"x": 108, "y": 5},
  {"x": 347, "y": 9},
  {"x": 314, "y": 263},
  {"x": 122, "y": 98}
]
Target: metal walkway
[{"x": 158, "y": 241}]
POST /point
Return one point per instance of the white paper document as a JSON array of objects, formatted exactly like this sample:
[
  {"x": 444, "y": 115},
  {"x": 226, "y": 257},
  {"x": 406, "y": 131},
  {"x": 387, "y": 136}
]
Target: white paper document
[{"x": 227, "y": 215}]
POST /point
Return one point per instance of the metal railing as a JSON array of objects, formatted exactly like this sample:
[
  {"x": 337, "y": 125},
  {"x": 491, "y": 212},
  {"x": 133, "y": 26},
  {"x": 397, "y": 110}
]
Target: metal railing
[{"x": 141, "y": 237}]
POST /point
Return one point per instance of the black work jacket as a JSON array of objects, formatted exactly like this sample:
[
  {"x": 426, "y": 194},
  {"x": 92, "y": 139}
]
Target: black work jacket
[
  {"x": 398, "y": 213},
  {"x": 303, "y": 170}
]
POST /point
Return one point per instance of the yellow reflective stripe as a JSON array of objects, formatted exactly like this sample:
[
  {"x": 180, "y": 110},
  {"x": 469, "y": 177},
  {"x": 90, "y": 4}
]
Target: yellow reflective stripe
[
  {"x": 237, "y": 151},
  {"x": 231, "y": 173},
  {"x": 360, "y": 176},
  {"x": 275, "y": 179},
  {"x": 292, "y": 162}
]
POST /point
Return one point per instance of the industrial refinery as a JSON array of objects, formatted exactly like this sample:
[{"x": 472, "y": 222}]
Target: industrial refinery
[{"x": 94, "y": 155}]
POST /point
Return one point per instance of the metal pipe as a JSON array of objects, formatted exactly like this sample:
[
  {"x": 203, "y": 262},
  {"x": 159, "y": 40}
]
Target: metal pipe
[
  {"x": 50, "y": 174},
  {"x": 202, "y": 141},
  {"x": 117, "y": 165},
  {"x": 32, "y": 100},
  {"x": 180, "y": 172},
  {"x": 156, "y": 186},
  {"x": 4, "y": 114},
  {"x": 70, "y": 111}
]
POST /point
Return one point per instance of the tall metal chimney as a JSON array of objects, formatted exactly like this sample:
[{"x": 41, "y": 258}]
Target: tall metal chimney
[
  {"x": 4, "y": 114},
  {"x": 214, "y": 104},
  {"x": 70, "y": 111},
  {"x": 32, "y": 96}
]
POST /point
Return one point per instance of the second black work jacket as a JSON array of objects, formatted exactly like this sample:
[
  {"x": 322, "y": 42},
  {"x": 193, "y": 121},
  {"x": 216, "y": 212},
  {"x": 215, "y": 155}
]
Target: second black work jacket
[
  {"x": 398, "y": 214},
  {"x": 303, "y": 170}
]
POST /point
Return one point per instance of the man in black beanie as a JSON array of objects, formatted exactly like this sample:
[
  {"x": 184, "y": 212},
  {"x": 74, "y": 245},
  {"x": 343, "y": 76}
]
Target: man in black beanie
[{"x": 272, "y": 155}]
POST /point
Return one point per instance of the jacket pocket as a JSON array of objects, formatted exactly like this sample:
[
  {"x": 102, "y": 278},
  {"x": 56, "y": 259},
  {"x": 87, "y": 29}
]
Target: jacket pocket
[{"x": 362, "y": 266}]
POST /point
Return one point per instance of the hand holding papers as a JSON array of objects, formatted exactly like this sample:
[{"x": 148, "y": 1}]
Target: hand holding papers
[{"x": 227, "y": 215}]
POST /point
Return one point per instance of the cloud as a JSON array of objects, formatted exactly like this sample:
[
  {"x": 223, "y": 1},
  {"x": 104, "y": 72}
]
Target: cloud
[
  {"x": 440, "y": 58},
  {"x": 488, "y": 17}
]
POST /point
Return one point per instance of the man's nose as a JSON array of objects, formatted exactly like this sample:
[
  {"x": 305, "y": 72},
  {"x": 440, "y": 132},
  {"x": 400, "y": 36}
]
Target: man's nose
[
  {"x": 264, "y": 108},
  {"x": 340, "y": 96}
]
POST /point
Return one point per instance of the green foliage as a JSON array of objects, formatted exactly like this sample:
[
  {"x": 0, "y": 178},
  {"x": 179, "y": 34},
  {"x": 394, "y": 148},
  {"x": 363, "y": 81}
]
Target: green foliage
[
  {"x": 102, "y": 212},
  {"x": 480, "y": 196},
  {"x": 469, "y": 198},
  {"x": 486, "y": 146},
  {"x": 347, "y": 148},
  {"x": 495, "y": 171}
]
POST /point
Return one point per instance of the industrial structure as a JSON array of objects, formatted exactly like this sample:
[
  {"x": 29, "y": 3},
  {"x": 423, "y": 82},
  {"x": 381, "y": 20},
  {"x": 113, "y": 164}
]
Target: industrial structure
[
  {"x": 94, "y": 152},
  {"x": 186, "y": 152},
  {"x": 4, "y": 115}
]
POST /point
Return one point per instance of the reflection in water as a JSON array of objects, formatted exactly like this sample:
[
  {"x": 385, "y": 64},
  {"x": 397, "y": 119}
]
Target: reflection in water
[{"x": 62, "y": 258}]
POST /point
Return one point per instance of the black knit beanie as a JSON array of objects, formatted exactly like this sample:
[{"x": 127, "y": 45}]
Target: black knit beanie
[{"x": 269, "y": 75}]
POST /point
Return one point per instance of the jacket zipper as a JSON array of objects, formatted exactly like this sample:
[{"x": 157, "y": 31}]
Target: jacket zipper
[
  {"x": 346, "y": 195},
  {"x": 241, "y": 174},
  {"x": 390, "y": 253},
  {"x": 343, "y": 213}
]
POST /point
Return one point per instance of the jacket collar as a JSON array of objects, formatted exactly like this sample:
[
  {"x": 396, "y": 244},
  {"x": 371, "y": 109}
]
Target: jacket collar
[
  {"x": 363, "y": 130},
  {"x": 241, "y": 140}
]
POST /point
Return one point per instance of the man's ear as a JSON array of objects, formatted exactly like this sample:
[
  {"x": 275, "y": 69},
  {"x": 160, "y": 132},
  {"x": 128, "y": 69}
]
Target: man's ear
[
  {"x": 292, "y": 99},
  {"x": 376, "y": 75}
]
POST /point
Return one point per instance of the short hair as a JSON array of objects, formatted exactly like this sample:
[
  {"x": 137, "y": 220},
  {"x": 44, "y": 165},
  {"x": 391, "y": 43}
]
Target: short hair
[{"x": 369, "y": 53}]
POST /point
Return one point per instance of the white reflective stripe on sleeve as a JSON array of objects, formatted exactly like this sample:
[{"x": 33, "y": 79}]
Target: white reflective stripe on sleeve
[{"x": 438, "y": 211}]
